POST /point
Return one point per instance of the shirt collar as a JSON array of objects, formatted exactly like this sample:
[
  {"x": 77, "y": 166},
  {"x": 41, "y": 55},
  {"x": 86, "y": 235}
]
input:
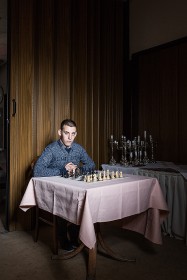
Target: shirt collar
[{"x": 64, "y": 146}]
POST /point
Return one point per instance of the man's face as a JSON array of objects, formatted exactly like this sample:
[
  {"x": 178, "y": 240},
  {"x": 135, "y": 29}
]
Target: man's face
[{"x": 67, "y": 135}]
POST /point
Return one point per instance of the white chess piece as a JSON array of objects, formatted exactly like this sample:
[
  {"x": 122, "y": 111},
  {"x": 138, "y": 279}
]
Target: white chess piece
[
  {"x": 104, "y": 175},
  {"x": 88, "y": 178},
  {"x": 117, "y": 174},
  {"x": 107, "y": 175},
  {"x": 95, "y": 177},
  {"x": 112, "y": 175},
  {"x": 121, "y": 174},
  {"x": 100, "y": 177}
]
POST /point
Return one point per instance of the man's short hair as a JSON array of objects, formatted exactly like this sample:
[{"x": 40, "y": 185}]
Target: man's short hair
[{"x": 68, "y": 122}]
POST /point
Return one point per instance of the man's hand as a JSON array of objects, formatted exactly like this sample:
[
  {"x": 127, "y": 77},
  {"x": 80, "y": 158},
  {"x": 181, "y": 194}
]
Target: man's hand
[{"x": 70, "y": 167}]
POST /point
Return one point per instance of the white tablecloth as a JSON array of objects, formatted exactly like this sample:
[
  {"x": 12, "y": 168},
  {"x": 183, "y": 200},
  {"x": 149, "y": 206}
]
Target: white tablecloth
[
  {"x": 87, "y": 203},
  {"x": 174, "y": 188}
]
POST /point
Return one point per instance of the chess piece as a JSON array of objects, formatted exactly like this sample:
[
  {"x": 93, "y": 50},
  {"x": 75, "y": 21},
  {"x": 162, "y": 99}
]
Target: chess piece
[
  {"x": 88, "y": 179},
  {"x": 104, "y": 175},
  {"x": 117, "y": 174},
  {"x": 120, "y": 174},
  {"x": 107, "y": 175},
  {"x": 112, "y": 175},
  {"x": 91, "y": 177},
  {"x": 100, "y": 177},
  {"x": 95, "y": 177}
]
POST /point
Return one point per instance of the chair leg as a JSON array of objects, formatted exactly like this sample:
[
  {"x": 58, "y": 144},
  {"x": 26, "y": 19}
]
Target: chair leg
[
  {"x": 36, "y": 225},
  {"x": 55, "y": 239},
  {"x": 53, "y": 224}
]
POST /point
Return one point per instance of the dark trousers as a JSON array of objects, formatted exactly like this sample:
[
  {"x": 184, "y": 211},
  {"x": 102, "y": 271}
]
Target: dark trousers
[{"x": 65, "y": 229}]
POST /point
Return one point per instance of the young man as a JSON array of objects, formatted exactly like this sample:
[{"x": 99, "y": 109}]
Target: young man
[{"x": 61, "y": 157}]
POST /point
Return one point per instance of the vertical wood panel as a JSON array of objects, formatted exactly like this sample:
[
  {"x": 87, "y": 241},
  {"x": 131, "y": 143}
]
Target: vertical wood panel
[
  {"x": 13, "y": 141},
  {"x": 62, "y": 54},
  {"x": 182, "y": 103},
  {"x": 21, "y": 89},
  {"x": 148, "y": 97},
  {"x": 162, "y": 98},
  {"x": 45, "y": 92},
  {"x": 94, "y": 47},
  {"x": 79, "y": 94},
  {"x": 168, "y": 145}
]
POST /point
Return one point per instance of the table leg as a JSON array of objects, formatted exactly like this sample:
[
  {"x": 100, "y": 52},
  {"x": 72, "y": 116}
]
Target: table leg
[
  {"x": 91, "y": 271},
  {"x": 108, "y": 250},
  {"x": 92, "y": 263},
  {"x": 67, "y": 256}
]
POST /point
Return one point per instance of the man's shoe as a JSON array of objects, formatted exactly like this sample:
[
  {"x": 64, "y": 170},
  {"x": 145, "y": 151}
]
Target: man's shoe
[
  {"x": 75, "y": 244},
  {"x": 67, "y": 246},
  {"x": 74, "y": 235}
]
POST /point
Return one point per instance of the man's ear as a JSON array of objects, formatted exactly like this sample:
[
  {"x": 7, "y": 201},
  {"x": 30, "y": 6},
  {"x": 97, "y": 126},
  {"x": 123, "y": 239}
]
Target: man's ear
[{"x": 60, "y": 132}]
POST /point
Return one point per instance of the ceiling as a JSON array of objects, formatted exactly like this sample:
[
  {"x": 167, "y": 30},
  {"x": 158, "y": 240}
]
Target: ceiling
[{"x": 3, "y": 31}]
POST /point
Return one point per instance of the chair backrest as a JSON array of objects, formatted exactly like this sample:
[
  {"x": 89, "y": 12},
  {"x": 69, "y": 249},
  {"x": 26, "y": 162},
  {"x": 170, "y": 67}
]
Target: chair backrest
[
  {"x": 33, "y": 162},
  {"x": 30, "y": 169}
]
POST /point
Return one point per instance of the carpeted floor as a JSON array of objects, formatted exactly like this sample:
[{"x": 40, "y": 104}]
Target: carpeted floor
[{"x": 23, "y": 259}]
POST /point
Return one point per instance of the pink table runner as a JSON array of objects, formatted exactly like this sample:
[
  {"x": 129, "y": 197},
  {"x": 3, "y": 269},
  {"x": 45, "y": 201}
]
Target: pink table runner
[{"x": 138, "y": 199}]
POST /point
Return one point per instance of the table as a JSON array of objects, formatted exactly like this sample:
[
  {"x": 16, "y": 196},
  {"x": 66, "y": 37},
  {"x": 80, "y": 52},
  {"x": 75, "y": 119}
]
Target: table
[
  {"x": 135, "y": 200},
  {"x": 172, "y": 180}
]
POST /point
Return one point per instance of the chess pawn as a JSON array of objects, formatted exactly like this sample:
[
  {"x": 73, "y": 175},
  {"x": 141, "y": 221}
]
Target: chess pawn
[
  {"x": 95, "y": 178},
  {"x": 104, "y": 175},
  {"x": 85, "y": 178},
  {"x": 88, "y": 178},
  {"x": 91, "y": 178},
  {"x": 107, "y": 175},
  {"x": 117, "y": 174},
  {"x": 112, "y": 175},
  {"x": 120, "y": 174},
  {"x": 100, "y": 177}
]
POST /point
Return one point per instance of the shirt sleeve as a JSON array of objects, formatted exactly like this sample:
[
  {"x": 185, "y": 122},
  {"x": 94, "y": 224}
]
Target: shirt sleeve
[
  {"x": 43, "y": 167},
  {"x": 87, "y": 163}
]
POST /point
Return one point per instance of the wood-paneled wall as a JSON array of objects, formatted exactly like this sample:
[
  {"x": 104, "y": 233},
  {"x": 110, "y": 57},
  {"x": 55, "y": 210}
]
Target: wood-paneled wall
[
  {"x": 66, "y": 61},
  {"x": 160, "y": 100}
]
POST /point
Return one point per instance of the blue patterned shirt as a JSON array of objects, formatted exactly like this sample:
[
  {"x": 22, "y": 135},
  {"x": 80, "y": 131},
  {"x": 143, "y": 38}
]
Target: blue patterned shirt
[{"x": 54, "y": 158}]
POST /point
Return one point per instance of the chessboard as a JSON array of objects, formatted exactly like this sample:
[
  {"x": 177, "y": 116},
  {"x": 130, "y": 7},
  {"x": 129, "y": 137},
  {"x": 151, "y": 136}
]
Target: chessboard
[{"x": 98, "y": 176}]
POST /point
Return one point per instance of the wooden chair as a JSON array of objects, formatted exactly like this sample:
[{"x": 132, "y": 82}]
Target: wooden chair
[
  {"x": 50, "y": 219},
  {"x": 45, "y": 217}
]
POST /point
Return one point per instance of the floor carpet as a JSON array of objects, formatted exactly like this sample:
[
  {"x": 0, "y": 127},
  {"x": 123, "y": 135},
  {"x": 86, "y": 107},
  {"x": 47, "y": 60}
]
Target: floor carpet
[{"x": 23, "y": 259}]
